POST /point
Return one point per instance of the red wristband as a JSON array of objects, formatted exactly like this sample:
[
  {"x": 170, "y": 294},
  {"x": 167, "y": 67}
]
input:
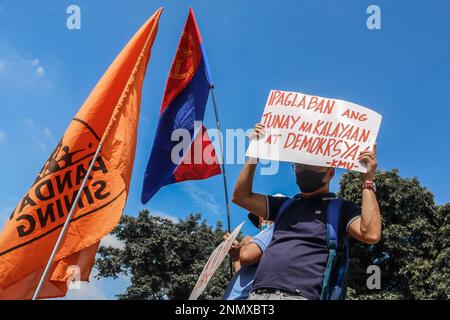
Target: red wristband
[{"x": 369, "y": 185}]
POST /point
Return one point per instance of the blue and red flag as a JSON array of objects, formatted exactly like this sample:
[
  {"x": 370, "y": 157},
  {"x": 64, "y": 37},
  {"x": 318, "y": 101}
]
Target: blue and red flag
[{"x": 184, "y": 103}]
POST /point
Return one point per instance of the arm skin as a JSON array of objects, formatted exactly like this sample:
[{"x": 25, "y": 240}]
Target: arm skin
[
  {"x": 243, "y": 194},
  {"x": 367, "y": 229},
  {"x": 243, "y": 253},
  {"x": 250, "y": 254}
]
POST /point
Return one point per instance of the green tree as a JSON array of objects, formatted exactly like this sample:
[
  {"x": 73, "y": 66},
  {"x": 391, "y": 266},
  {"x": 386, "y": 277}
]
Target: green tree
[
  {"x": 163, "y": 258},
  {"x": 414, "y": 252}
]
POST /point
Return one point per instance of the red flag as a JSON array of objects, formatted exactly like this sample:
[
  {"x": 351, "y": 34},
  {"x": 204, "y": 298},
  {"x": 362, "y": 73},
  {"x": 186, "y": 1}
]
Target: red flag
[{"x": 184, "y": 103}]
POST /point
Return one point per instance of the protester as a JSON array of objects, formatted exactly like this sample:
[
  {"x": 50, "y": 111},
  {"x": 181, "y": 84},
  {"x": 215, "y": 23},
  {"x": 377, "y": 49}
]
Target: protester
[
  {"x": 293, "y": 265},
  {"x": 246, "y": 256}
]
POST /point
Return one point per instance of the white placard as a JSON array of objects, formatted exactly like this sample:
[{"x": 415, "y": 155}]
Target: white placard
[
  {"x": 213, "y": 263},
  {"x": 316, "y": 131}
]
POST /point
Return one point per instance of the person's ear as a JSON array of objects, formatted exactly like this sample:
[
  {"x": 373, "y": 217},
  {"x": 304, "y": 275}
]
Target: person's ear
[{"x": 330, "y": 173}]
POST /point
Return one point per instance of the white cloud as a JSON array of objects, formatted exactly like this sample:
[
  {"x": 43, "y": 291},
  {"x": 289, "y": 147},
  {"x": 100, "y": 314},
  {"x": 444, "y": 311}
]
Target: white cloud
[
  {"x": 49, "y": 135},
  {"x": 165, "y": 216},
  {"x": 16, "y": 66},
  {"x": 41, "y": 144},
  {"x": 40, "y": 71},
  {"x": 19, "y": 70},
  {"x": 2, "y": 135},
  {"x": 111, "y": 241},
  {"x": 8, "y": 210},
  {"x": 4, "y": 214},
  {"x": 203, "y": 198},
  {"x": 48, "y": 132},
  {"x": 41, "y": 137}
]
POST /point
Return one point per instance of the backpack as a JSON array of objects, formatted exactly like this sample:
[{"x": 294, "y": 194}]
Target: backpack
[{"x": 333, "y": 285}]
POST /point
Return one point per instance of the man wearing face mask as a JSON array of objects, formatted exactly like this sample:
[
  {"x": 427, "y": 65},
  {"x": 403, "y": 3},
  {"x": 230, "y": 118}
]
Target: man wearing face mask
[{"x": 293, "y": 265}]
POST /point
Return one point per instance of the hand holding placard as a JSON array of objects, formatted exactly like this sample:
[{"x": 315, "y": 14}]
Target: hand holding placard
[
  {"x": 369, "y": 158},
  {"x": 213, "y": 263}
]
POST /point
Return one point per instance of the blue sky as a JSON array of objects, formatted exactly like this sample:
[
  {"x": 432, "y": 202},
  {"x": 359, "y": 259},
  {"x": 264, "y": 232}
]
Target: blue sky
[{"x": 316, "y": 47}]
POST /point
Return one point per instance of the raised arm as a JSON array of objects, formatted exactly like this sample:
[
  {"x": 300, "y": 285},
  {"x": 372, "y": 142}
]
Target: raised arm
[
  {"x": 367, "y": 229},
  {"x": 243, "y": 194}
]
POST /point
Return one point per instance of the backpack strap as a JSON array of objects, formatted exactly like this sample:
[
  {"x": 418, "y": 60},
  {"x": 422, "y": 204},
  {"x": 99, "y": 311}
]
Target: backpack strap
[
  {"x": 333, "y": 238},
  {"x": 339, "y": 290},
  {"x": 284, "y": 208}
]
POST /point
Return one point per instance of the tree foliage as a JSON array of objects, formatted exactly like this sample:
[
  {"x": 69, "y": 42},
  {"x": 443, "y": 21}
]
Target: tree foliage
[
  {"x": 164, "y": 259},
  {"x": 414, "y": 253}
]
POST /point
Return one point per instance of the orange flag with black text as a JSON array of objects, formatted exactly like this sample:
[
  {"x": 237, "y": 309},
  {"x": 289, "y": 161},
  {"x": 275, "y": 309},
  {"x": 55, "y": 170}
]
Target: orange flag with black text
[{"x": 109, "y": 117}]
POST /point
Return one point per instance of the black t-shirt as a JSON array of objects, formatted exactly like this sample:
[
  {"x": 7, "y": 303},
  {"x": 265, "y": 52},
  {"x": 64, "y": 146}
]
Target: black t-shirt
[{"x": 296, "y": 258}]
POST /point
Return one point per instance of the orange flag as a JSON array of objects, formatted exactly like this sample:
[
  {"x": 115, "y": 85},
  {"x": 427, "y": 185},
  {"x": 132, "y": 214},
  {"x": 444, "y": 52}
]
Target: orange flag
[{"x": 108, "y": 117}]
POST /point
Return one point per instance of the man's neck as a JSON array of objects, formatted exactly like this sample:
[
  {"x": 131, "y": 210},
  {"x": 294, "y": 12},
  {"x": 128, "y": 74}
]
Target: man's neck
[{"x": 324, "y": 189}]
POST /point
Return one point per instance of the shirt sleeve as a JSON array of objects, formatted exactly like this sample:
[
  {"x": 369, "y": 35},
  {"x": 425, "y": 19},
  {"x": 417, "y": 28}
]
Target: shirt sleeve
[
  {"x": 273, "y": 206},
  {"x": 350, "y": 212},
  {"x": 262, "y": 239}
]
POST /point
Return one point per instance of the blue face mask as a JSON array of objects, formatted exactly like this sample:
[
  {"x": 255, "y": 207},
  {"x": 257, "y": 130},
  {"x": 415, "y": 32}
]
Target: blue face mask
[{"x": 264, "y": 226}]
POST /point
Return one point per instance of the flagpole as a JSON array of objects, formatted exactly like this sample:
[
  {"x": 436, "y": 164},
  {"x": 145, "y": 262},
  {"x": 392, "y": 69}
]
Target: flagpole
[
  {"x": 66, "y": 224},
  {"x": 222, "y": 156},
  {"x": 108, "y": 129},
  {"x": 224, "y": 174}
]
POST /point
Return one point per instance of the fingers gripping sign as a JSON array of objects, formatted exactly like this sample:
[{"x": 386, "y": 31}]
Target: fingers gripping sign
[{"x": 369, "y": 160}]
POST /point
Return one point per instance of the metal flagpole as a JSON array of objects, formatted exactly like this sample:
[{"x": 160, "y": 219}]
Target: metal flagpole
[
  {"x": 117, "y": 109},
  {"x": 224, "y": 174},
  {"x": 222, "y": 156},
  {"x": 66, "y": 224}
]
